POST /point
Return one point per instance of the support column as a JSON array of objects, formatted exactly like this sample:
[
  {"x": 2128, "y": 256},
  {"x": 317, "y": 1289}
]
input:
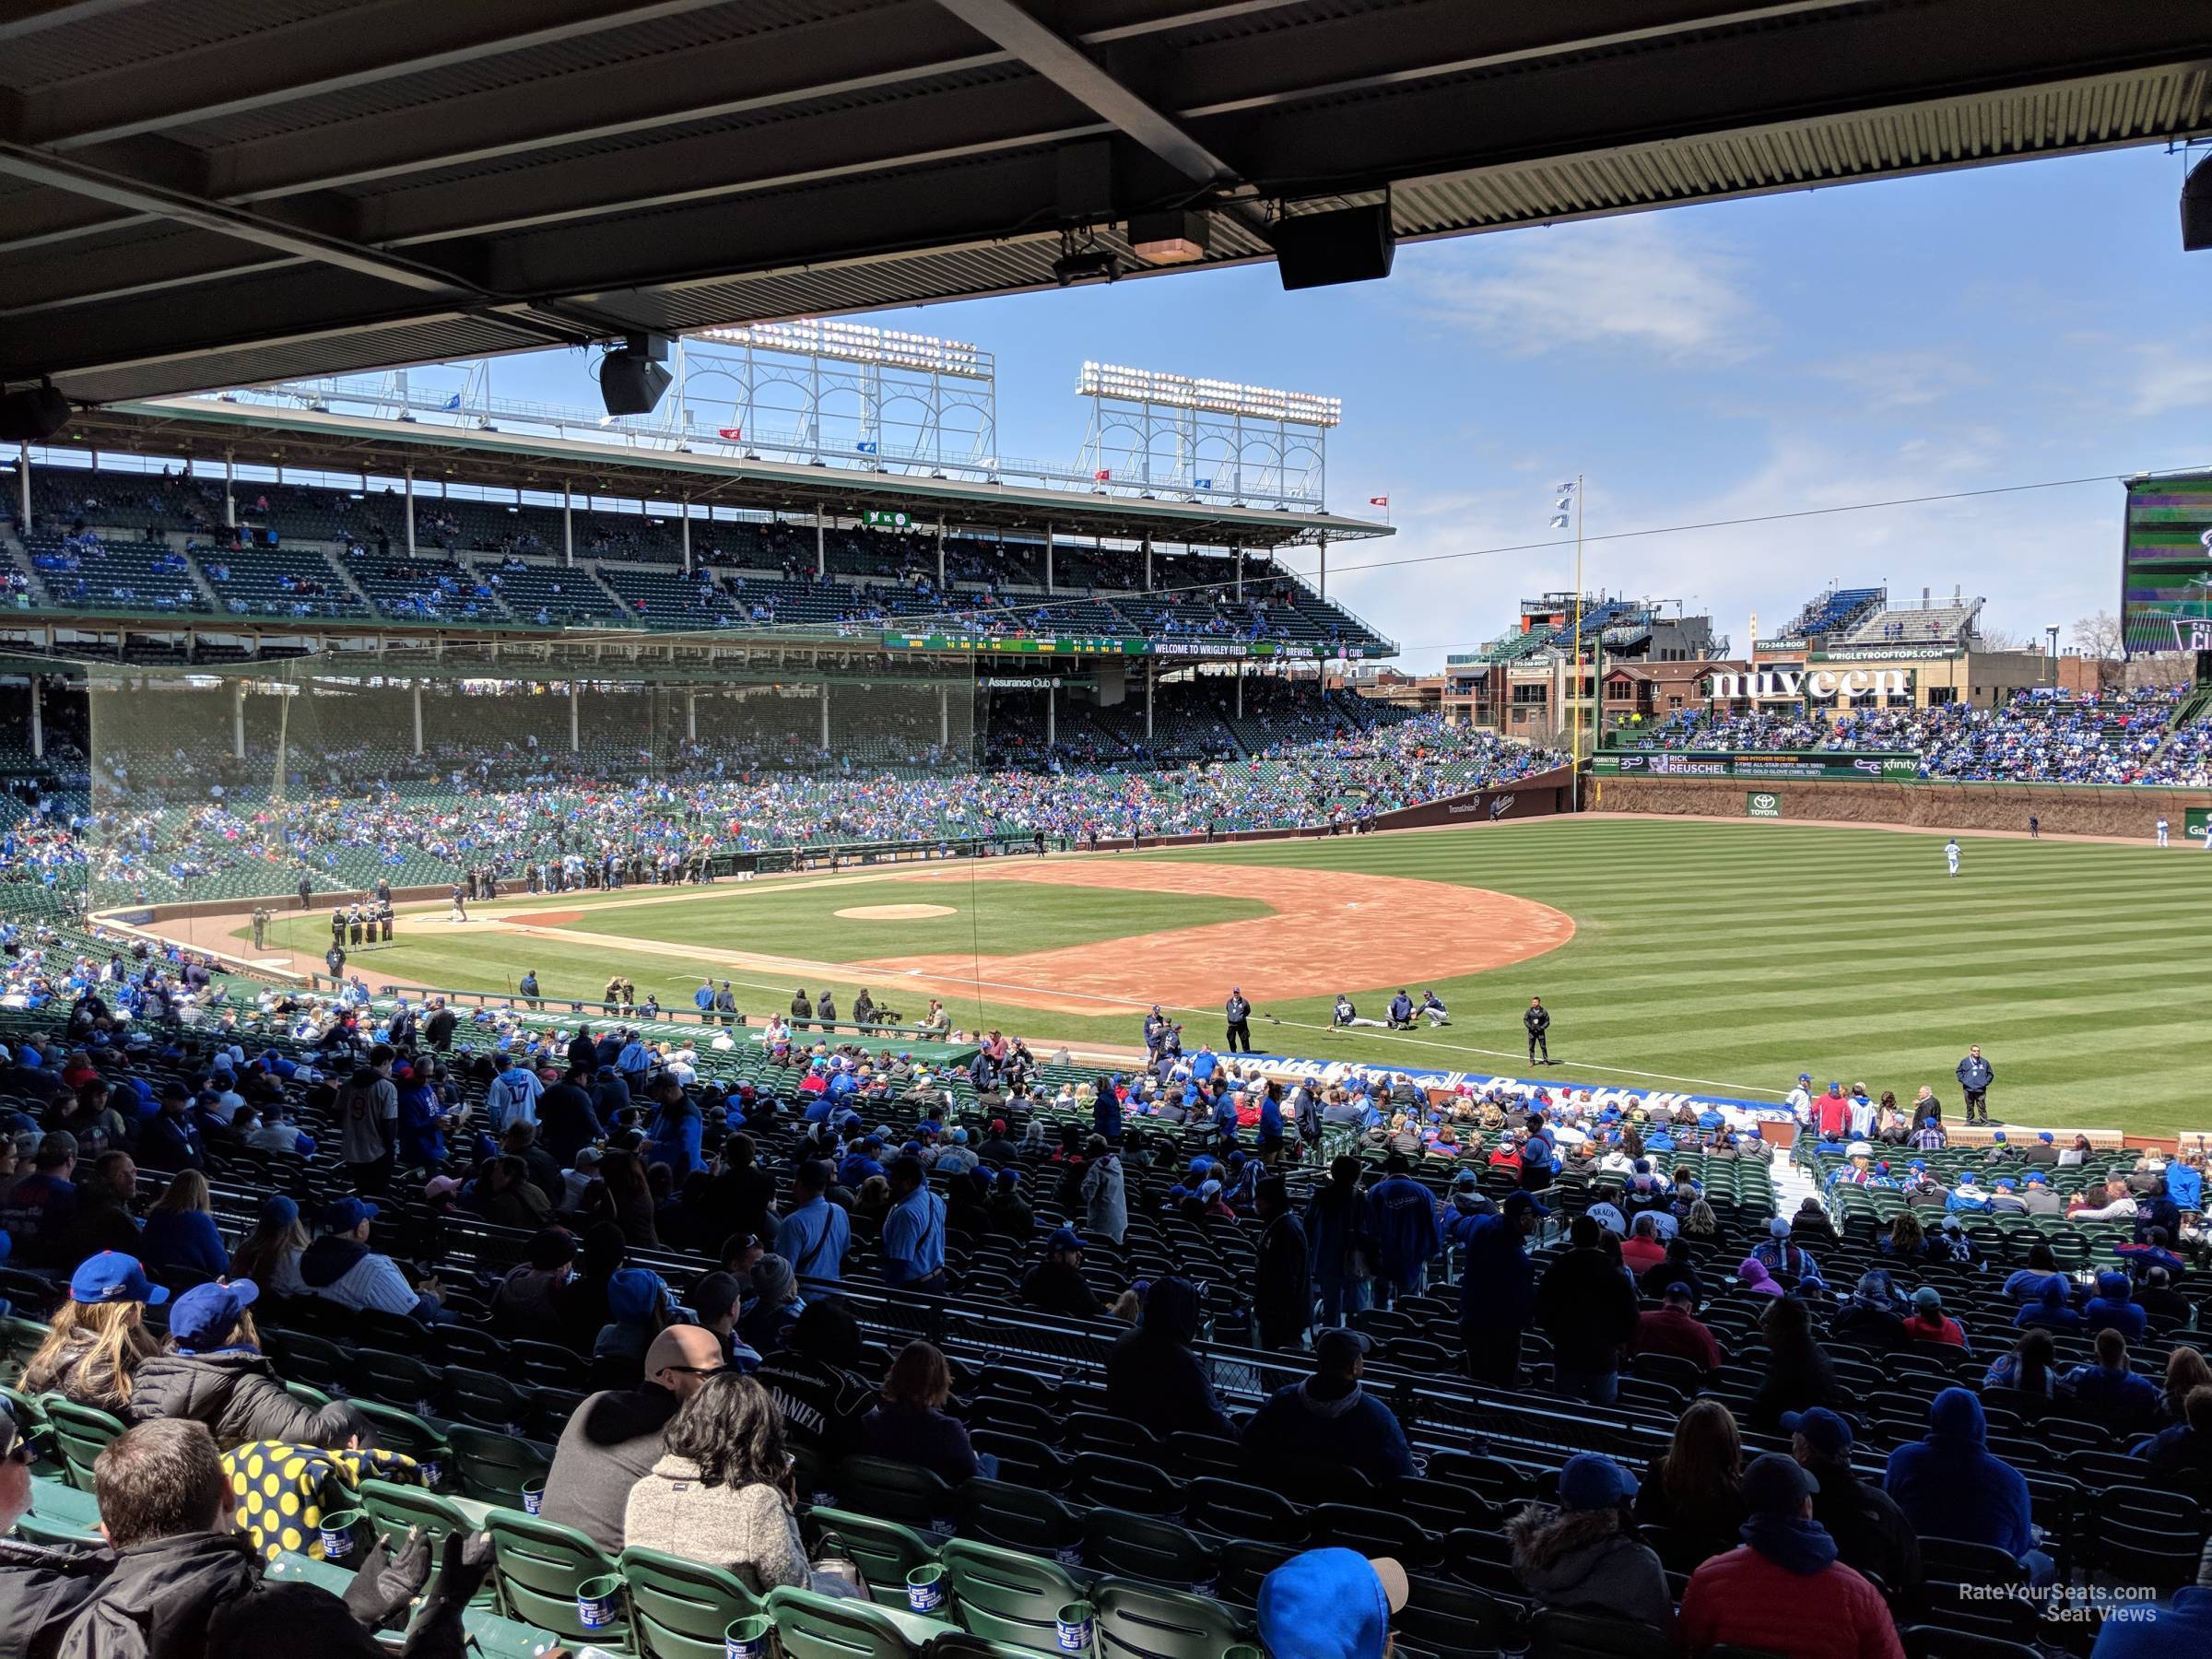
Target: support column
[
  {"x": 1240, "y": 690},
  {"x": 940, "y": 549},
  {"x": 1240, "y": 576},
  {"x": 38, "y": 718},
  {"x": 23, "y": 488},
  {"x": 238, "y": 720},
  {"x": 1048, "y": 559},
  {"x": 1051, "y": 715},
  {"x": 567, "y": 524},
  {"x": 821, "y": 568},
  {"x": 575, "y": 721},
  {"x": 410, "y": 475},
  {"x": 944, "y": 709},
  {"x": 1148, "y": 564},
  {"x": 417, "y": 700},
  {"x": 229, "y": 492},
  {"x": 1324, "y": 567},
  {"x": 1151, "y": 673},
  {"x": 686, "y": 523},
  {"x": 690, "y": 717},
  {"x": 825, "y": 717}
]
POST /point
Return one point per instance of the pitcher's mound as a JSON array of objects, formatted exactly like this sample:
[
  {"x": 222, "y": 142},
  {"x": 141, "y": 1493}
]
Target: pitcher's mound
[{"x": 894, "y": 912}]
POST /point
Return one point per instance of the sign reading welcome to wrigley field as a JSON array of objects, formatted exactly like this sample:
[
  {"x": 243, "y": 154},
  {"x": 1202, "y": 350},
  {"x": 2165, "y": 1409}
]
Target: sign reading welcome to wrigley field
[
  {"x": 1111, "y": 645},
  {"x": 1764, "y": 763}
]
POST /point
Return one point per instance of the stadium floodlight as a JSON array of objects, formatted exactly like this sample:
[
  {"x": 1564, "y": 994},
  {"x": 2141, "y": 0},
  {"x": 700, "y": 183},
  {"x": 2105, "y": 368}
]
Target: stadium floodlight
[
  {"x": 858, "y": 343},
  {"x": 632, "y": 378},
  {"x": 1169, "y": 239},
  {"x": 2196, "y": 209},
  {"x": 1086, "y": 264},
  {"x": 1215, "y": 396}
]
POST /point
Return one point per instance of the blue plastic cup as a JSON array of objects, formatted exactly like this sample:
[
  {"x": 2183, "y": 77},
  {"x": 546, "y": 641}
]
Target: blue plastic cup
[
  {"x": 599, "y": 1602},
  {"x": 1075, "y": 1625},
  {"x": 339, "y": 1529},
  {"x": 925, "y": 1588},
  {"x": 533, "y": 1495},
  {"x": 747, "y": 1638}
]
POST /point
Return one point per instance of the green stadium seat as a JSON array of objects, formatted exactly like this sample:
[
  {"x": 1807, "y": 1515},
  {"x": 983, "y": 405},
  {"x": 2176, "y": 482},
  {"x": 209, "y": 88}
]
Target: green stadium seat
[
  {"x": 539, "y": 1566},
  {"x": 678, "y": 1609},
  {"x": 491, "y": 1467},
  {"x": 1008, "y": 1595},
  {"x": 997, "y": 1512},
  {"x": 1144, "y": 1621},
  {"x": 1145, "y": 1546},
  {"x": 19, "y": 1339},
  {"x": 80, "y": 1434},
  {"x": 884, "y": 1550},
  {"x": 896, "y": 1491},
  {"x": 398, "y": 1430},
  {"x": 1556, "y": 1633},
  {"x": 837, "y": 1626},
  {"x": 397, "y": 1509}
]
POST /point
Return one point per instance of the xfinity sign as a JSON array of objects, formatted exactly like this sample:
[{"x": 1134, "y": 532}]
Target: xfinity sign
[{"x": 1820, "y": 684}]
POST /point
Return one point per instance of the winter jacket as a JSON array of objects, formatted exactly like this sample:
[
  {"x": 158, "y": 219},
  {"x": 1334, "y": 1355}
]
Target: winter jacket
[
  {"x": 201, "y": 1596},
  {"x": 1283, "y": 1283},
  {"x": 1871, "y": 1532},
  {"x": 1356, "y": 1429},
  {"x": 2119, "y": 1399},
  {"x": 1975, "y": 1074},
  {"x": 748, "y": 1530},
  {"x": 1497, "y": 1288},
  {"x": 1340, "y": 1227},
  {"x": 183, "y": 1238},
  {"x": 237, "y": 1393},
  {"x": 675, "y": 1134},
  {"x": 1580, "y": 1560},
  {"x": 2179, "y": 1628},
  {"x": 1672, "y": 1331},
  {"x": 823, "y": 1404},
  {"x": 1950, "y": 1486},
  {"x": 1105, "y": 1199},
  {"x": 1154, "y": 1378},
  {"x": 1057, "y": 1287},
  {"x": 2113, "y": 1306},
  {"x": 1588, "y": 1309},
  {"x": 1745, "y": 1600},
  {"x": 611, "y": 1443},
  {"x": 929, "y": 1440},
  {"x": 1405, "y": 1231},
  {"x": 41, "y": 1587}
]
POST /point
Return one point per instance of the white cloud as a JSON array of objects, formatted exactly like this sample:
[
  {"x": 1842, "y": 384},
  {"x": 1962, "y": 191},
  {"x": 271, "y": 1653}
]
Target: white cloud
[
  {"x": 1648, "y": 283},
  {"x": 1885, "y": 382},
  {"x": 2170, "y": 378}
]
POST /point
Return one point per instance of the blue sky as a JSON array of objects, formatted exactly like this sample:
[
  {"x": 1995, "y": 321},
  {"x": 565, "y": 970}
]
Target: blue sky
[{"x": 1996, "y": 326}]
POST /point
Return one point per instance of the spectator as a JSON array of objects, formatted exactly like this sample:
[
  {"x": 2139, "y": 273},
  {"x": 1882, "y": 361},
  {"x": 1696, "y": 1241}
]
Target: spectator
[
  {"x": 1871, "y": 1532},
  {"x": 1930, "y": 1323},
  {"x": 1497, "y": 1286},
  {"x": 505, "y": 1196},
  {"x": 1330, "y": 1604},
  {"x": 2179, "y": 1628},
  {"x": 1154, "y": 1378},
  {"x": 98, "y": 1339},
  {"x": 1056, "y": 1284},
  {"x": 913, "y": 1231},
  {"x": 1695, "y": 1485},
  {"x": 1329, "y": 1418},
  {"x": 638, "y": 1306},
  {"x": 1405, "y": 1231},
  {"x": 815, "y": 1381},
  {"x": 180, "y": 1230},
  {"x": 1751, "y": 1273},
  {"x": 909, "y": 1423},
  {"x": 812, "y": 1237},
  {"x": 42, "y": 1586},
  {"x": 1798, "y": 1374},
  {"x": 2050, "y": 1312},
  {"x": 1870, "y": 1318},
  {"x": 2108, "y": 1391},
  {"x": 1105, "y": 1202},
  {"x": 612, "y": 1441},
  {"x": 777, "y": 1306},
  {"x": 526, "y": 1301},
  {"x": 341, "y": 1267},
  {"x": 722, "y": 1491},
  {"x": 39, "y": 1214},
  {"x": 103, "y": 1209},
  {"x": 629, "y": 1199},
  {"x": 1643, "y": 1251},
  {"x": 1950, "y": 1486},
  {"x": 2182, "y": 1455},
  {"x": 1789, "y": 1265},
  {"x": 2027, "y": 1284},
  {"x": 213, "y": 1372},
  {"x": 1282, "y": 1278},
  {"x": 185, "y": 1581},
  {"x": 269, "y": 1255},
  {"x": 1783, "y": 1588},
  {"x": 171, "y": 1139},
  {"x": 2185, "y": 1374},
  {"x": 1673, "y": 1328},
  {"x": 1340, "y": 1231},
  {"x": 2113, "y": 1308},
  {"x": 1678, "y": 1268},
  {"x": 2167, "y": 1309},
  {"x": 1582, "y": 1555},
  {"x": 2027, "y": 1369}
]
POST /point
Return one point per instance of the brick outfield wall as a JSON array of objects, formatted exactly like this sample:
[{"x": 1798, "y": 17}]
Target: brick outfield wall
[{"x": 2064, "y": 809}]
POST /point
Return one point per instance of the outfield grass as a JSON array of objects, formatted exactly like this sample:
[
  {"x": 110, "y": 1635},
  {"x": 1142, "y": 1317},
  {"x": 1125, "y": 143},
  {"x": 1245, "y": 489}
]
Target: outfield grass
[{"x": 1726, "y": 955}]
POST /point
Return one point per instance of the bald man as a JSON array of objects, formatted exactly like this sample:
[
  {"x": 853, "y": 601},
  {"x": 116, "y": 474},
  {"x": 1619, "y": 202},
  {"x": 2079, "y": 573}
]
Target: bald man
[{"x": 614, "y": 1438}]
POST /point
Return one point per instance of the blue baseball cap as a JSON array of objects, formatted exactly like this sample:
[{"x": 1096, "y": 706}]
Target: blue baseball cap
[
  {"x": 206, "y": 1314},
  {"x": 343, "y": 1215},
  {"x": 1593, "y": 1481},
  {"x": 1517, "y": 1202},
  {"x": 276, "y": 1210},
  {"x": 2037, "y": 1178},
  {"x": 1067, "y": 1237},
  {"x": 1330, "y": 1604},
  {"x": 2043, "y": 1134},
  {"x": 111, "y": 1276},
  {"x": 1825, "y": 1431}
]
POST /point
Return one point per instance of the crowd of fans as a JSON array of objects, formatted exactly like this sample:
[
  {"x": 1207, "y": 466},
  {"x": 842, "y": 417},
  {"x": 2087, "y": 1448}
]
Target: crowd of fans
[
  {"x": 705, "y": 1239},
  {"x": 2037, "y": 736}
]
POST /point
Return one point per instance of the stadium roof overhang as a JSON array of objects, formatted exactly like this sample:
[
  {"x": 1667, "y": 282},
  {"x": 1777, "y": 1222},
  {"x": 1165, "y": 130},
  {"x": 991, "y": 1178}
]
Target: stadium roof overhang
[
  {"x": 255, "y": 434},
  {"x": 236, "y": 192}
]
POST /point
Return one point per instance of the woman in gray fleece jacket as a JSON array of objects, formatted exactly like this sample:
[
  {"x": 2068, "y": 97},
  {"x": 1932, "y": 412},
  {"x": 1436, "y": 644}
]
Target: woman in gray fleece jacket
[
  {"x": 1582, "y": 1555},
  {"x": 722, "y": 1492}
]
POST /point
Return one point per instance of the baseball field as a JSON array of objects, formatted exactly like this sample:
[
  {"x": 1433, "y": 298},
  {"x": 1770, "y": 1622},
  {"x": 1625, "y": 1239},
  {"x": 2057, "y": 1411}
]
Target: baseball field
[{"x": 1727, "y": 957}]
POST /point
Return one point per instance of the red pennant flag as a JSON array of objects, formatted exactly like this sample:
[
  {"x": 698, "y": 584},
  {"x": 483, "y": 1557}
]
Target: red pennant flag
[{"x": 732, "y": 433}]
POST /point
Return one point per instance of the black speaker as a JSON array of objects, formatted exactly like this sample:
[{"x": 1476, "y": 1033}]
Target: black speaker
[
  {"x": 1346, "y": 244},
  {"x": 2196, "y": 209},
  {"x": 631, "y": 382},
  {"x": 32, "y": 416}
]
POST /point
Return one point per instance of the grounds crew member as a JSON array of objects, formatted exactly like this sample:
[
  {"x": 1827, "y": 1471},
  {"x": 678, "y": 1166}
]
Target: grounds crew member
[
  {"x": 1239, "y": 1013},
  {"x": 1975, "y": 1075},
  {"x": 1537, "y": 1022}
]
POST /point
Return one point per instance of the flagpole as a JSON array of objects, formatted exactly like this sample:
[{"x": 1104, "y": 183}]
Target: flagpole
[{"x": 1574, "y": 796}]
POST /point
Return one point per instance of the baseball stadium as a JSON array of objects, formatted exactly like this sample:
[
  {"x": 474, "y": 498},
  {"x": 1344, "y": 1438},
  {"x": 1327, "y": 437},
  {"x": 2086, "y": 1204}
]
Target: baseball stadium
[{"x": 743, "y": 1024}]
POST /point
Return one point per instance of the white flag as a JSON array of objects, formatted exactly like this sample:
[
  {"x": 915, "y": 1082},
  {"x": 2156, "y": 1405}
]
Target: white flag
[
  {"x": 1560, "y": 522},
  {"x": 1566, "y": 488}
]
